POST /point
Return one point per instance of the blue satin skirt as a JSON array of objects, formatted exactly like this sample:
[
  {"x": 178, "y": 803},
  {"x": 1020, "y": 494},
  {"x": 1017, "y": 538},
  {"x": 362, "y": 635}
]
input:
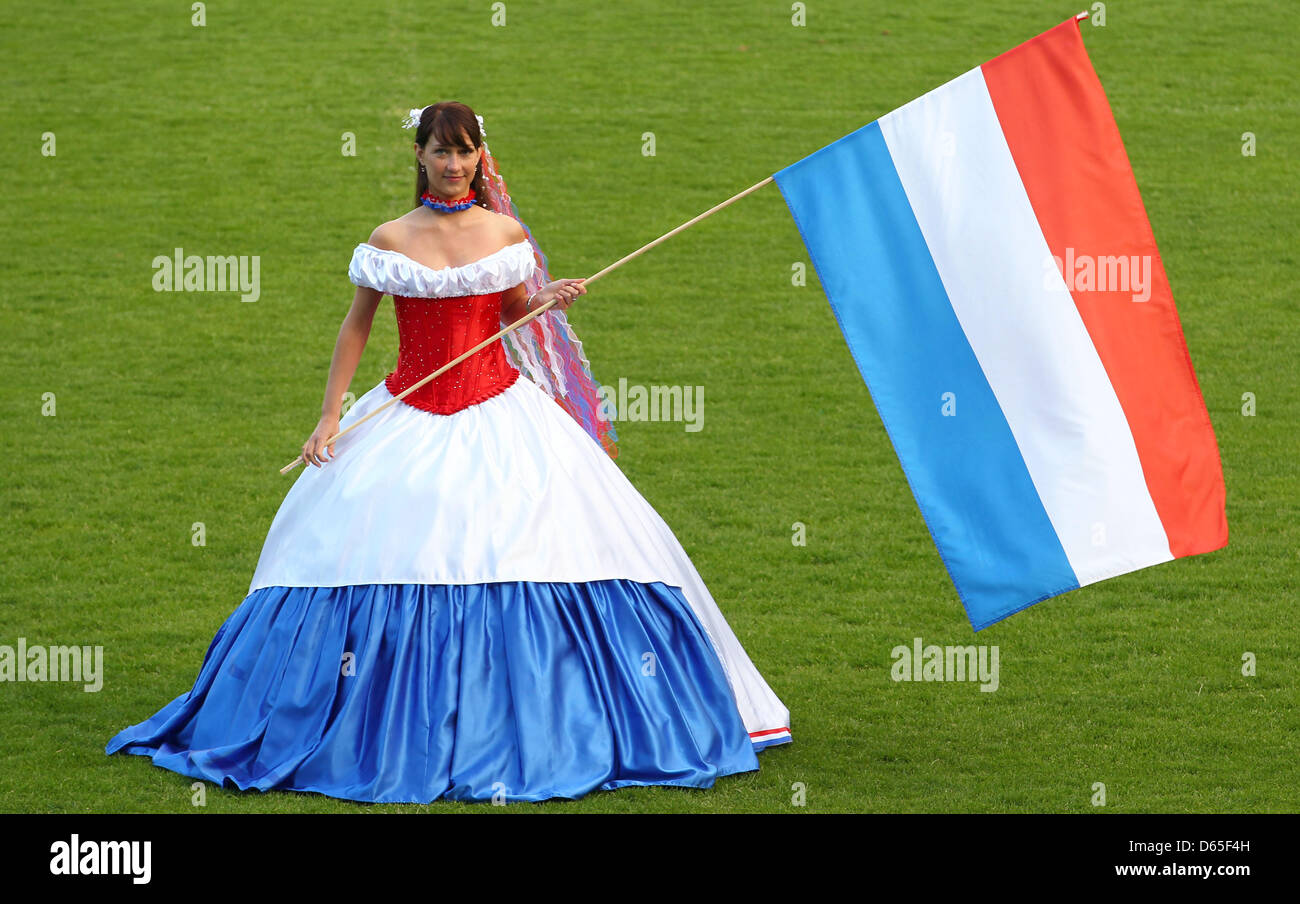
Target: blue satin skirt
[{"x": 406, "y": 693}]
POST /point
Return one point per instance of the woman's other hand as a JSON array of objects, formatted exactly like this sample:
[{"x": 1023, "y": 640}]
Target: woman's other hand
[
  {"x": 566, "y": 290},
  {"x": 313, "y": 451}
]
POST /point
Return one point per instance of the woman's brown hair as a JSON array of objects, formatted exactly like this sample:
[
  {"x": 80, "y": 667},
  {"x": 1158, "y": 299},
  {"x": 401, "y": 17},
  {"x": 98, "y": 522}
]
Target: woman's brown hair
[{"x": 446, "y": 122}]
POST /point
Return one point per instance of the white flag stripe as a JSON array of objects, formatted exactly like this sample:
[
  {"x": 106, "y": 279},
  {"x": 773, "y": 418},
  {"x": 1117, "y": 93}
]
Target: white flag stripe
[{"x": 962, "y": 184}]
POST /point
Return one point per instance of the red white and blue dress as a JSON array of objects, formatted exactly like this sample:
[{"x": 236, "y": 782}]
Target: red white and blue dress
[{"x": 470, "y": 601}]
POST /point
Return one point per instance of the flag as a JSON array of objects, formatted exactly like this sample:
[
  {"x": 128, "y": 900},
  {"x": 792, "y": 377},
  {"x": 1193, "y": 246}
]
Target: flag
[{"x": 990, "y": 263}]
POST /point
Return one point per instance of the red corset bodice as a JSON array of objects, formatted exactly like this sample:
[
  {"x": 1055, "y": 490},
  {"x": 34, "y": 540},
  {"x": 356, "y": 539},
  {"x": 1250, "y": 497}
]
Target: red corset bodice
[{"x": 431, "y": 332}]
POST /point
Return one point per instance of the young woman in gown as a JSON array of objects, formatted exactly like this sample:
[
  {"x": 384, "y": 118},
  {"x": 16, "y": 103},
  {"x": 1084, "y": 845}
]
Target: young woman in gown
[{"x": 464, "y": 597}]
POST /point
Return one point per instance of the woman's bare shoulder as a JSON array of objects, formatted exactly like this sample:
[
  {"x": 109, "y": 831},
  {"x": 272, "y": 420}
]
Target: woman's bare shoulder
[
  {"x": 511, "y": 230},
  {"x": 398, "y": 234},
  {"x": 389, "y": 236}
]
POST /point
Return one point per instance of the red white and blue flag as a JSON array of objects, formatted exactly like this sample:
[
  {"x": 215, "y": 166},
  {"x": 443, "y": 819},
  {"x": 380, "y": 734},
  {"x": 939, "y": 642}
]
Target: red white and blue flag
[{"x": 991, "y": 265}]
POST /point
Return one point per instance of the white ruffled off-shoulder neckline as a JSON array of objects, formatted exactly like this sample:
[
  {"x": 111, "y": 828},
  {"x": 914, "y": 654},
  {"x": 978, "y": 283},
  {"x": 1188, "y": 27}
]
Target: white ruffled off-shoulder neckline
[{"x": 393, "y": 273}]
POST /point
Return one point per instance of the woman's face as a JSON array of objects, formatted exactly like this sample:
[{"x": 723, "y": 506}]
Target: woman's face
[{"x": 450, "y": 169}]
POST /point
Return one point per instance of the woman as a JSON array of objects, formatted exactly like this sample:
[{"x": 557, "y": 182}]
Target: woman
[{"x": 464, "y": 597}]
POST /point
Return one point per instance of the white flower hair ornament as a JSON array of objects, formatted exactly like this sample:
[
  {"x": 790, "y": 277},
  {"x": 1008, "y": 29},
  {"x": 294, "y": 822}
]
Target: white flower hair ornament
[{"x": 413, "y": 118}]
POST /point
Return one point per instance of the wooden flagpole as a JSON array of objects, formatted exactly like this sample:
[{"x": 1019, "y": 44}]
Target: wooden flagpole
[{"x": 523, "y": 320}]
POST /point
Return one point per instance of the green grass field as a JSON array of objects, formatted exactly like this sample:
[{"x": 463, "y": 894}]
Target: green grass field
[{"x": 176, "y": 408}]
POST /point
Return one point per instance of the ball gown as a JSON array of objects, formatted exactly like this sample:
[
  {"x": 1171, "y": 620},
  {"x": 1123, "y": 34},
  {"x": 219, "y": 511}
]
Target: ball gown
[{"x": 470, "y": 601}]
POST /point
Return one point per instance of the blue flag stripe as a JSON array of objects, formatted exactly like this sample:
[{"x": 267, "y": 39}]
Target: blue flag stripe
[{"x": 966, "y": 471}]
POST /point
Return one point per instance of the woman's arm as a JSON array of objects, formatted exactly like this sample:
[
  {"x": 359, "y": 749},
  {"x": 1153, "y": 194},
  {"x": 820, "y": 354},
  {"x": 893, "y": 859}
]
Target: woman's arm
[
  {"x": 348, "y": 348},
  {"x": 512, "y": 304},
  {"x": 514, "y": 301},
  {"x": 347, "y": 355}
]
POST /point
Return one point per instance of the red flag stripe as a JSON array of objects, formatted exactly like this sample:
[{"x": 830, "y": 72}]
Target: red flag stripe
[{"x": 1068, "y": 152}]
